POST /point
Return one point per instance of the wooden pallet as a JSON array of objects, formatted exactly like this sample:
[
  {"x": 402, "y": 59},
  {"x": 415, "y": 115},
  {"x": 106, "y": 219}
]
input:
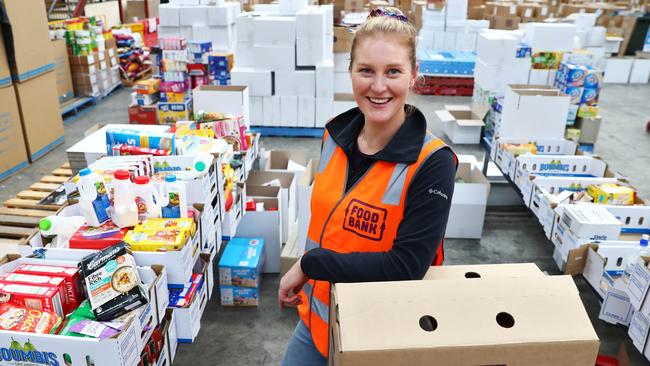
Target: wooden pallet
[{"x": 20, "y": 216}]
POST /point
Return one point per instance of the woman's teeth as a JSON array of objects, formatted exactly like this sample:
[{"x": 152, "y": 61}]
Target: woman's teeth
[{"x": 380, "y": 100}]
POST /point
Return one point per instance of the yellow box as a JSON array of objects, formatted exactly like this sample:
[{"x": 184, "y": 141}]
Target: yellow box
[
  {"x": 186, "y": 225},
  {"x": 611, "y": 194},
  {"x": 156, "y": 240},
  {"x": 149, "y": 86},
  {"x": 586, "y": 111},
  {"x": 174, "y": 97},
  {"x": 520, "y": 149}
]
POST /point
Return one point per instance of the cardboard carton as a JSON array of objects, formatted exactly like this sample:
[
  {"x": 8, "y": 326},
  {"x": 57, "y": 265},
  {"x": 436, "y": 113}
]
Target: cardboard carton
[
  {"x": 343, "y": 37},
  {"x": 40, "y": 114},
  {"x": 265, "y": 224},
  {"x": 467, "y": 212},
  {"x": 225, "y": 99},
  {"x": 31, "y": 40},
  {"x": 462, "y": 123},
  {"x": 64, "y": 87},
  {"x": 504, "y": 22},
  {"x": 473, "y": 271},
  {"x": 13, "y": 156},
  {"x": 288, "y": 194},
  {"x": 533, "y": 112},
  {"x": 5, "y": 73},
  {"x": 516, "y": 323}
]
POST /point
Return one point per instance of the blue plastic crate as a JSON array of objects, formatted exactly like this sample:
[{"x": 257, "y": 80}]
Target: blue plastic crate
[{"x": 447, "y": 63}]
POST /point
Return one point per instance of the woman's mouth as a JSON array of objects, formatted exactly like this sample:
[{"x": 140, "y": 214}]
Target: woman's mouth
[{"x": 379, "y": 101}]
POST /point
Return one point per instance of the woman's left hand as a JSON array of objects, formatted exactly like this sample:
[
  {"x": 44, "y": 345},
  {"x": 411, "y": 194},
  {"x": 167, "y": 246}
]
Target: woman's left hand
[{"x": 290, "y": 286}]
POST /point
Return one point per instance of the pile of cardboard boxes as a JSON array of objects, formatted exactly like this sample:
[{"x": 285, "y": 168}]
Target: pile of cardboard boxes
[
  {"x": 96, "y": 74},
  {"x": 31, "y": 123}
]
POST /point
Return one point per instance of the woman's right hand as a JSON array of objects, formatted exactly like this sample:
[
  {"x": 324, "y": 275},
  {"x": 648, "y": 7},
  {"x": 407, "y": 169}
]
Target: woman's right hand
[{"x": 290, "y": 286}]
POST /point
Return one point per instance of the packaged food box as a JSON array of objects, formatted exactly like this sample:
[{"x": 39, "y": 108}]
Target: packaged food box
[
  {"x": 241, "y": 262},
  {"x": 183, "y": 224},
  {"x": 156, "y": 240},
  {"x": 182, "y": 298},
  {"x": 42, "y": 298},
  {"x": 57, "y": 283},
  {"x": 149, "y": 86},
  {"x": 112, "y": 282},
  {"x": 239, "y": 296},
  {"x": 20, "y": 319},
  {"x": 104, "y": 236},
  {"x": 611, "y": 194},
  {"x": 72, "y": 279}
]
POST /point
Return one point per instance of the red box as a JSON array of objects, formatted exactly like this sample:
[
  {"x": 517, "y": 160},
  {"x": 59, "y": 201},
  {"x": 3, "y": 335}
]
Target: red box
[
  {"x": 42, "y": 298},
  {"x": 73, "y": 288},
  {"x": 97, "y": 238},
  {"x": 55, "y": 282},
  {"x": 141, "y": 115}
]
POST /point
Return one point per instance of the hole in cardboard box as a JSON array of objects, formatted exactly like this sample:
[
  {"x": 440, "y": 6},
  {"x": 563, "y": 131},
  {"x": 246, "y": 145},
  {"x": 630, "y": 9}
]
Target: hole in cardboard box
[
  {"x": 641, "y": 220},
  {"x": 523, "y": 166},
  {"x": 90, "y": 361},
  {"x": 67, "y": 360},
  {"x": 428, "y": 323},
  {"x": 557, "y": 149},
  {"x": 552, "y": 190},
  {"x": 619, "y": 261},
  {"x": 627, "y": 220},
  {"x": 534, "y": 167},
  {"x": 573, "y": 168},
  {"x": 584, "y": 168},
  {"x": 472, "y": 275},
  {"x": 505, "y": 320}
]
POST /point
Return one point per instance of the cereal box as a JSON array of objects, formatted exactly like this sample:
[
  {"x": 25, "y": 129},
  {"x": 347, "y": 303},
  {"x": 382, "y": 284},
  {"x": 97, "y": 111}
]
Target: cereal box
[
  {"x": 41, "y": 298},
  {"x": 241, "y": 263},
  {"x": 72, "y": 281},
  {"x": 57, "y": 283},
  {"x": 20, "y": 319}
]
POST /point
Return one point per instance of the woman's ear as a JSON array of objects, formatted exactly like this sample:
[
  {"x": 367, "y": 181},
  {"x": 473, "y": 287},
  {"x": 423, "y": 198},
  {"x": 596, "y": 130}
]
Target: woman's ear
[{"x": 414, "y": 77}]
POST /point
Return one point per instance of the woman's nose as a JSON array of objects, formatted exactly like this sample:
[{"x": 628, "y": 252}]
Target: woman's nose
[{"x": 378, "y": 84}]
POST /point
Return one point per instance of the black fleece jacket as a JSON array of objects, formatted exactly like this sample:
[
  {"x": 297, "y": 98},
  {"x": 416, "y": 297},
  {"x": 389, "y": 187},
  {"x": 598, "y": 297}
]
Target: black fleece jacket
[{"x": 425, "y": 212}]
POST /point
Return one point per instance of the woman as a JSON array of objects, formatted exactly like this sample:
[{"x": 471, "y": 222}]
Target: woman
[{"x": 382, "y": 191}]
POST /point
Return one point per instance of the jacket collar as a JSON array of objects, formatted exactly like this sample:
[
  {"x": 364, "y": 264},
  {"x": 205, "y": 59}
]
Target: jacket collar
[{"x": 404, "y": 147}]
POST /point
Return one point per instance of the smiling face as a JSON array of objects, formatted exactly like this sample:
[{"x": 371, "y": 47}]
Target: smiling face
[{"x": 382, "y": 74}]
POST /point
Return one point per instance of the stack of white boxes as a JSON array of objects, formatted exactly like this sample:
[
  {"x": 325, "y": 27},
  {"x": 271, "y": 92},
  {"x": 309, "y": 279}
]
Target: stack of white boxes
[
  {"x": 497, "y": 64},
  {"x": 287, "y": 62},
  {"x": 201, "y": 22},
  {"x": 548, "y": 37},
  {"x": 449, "y": 29}
]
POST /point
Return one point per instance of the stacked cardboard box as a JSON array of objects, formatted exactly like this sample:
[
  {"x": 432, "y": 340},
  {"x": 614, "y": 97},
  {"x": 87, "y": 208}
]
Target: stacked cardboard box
[
  {"x": 215, "y": 23},
  {"x": 96, "y": 74},
  {"x": 286, "y": 61},
  {"x": 35, "y": 86}
]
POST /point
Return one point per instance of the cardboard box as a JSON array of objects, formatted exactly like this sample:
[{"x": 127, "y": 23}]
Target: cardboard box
[
  {"x": 265, "y": 224},
  {"x": 257, "y": 111},
  {"x": 343, "y": 37},
  {"x": 342, "y": 83},
  {"x": 311, "y": 52},
  {"x": 259, "y": 82},
  {"x": 496, "y": 48},
  {"x": 40, "y": 114},
  {"x": 618, "y": 70},
  {"x": 640, "y": 71},
  {"x": 324, "y": 110},
  {"x": 497, "y": 77},
  {"x": 276, "y": 58},
  {"x": 311, "y": 23},
  {"x": 489, "y": 271},
  {"x": 463, "y": 123},
  {"x": 592, "y": 222},
  {"x": 565, "y": 337},
  {"x": 550, "y": 36},
  {"x": 296, "y": 83},
  {"x": 241, "y": 262},
  {"x": 224, "y": 99},
  {"x": 468, "y": 205},
  {"x": 5, "y": 72},
  {"x": 325, "y": 79},
  {"x": 533, "y": 112},
  {"x": 274, "y": 31},
  {"x": 288, "y": 194},
  {"x": 271, "y": 108},
  {"x": 223, "y": 14},
  {"x": 506, "y": 22},
  {"x": 507, "y": 161},
  {"x": 291, "y": 251},
  {"x": 13, "y": 155},
  {"x": 188, "y": 320},
  {"x": 288, "y": 111},
  {"x": 31, "y": 40},
  {"x": 306, "y": 111}
]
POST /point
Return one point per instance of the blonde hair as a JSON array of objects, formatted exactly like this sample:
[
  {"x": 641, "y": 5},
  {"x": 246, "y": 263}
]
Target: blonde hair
[{"x": 388, "y": 25}]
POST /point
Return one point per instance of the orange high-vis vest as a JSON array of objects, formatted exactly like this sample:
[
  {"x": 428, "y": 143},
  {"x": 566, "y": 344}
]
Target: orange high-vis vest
[{"x": 365, "y": 219}]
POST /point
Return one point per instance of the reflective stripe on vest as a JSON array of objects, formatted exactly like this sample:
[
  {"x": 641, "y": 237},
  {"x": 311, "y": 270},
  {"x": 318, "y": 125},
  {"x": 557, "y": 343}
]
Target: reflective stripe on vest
[{"x": 363, "y": 219}]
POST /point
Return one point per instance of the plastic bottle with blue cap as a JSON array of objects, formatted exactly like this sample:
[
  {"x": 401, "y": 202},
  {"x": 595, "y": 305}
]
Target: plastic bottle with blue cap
[
  {"x": 94, "y": 198},
  {"x": 174, "y": 200}
]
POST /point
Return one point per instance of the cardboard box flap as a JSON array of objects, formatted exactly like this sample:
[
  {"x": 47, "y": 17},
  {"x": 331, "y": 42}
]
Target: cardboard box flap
[
  {"x": 531, "y": 301},
  {"x": 279, "y": 159},
  {"x": 483, "y": 271},
  {"x": 470, "y": 122},
  {"x": 445, "y": 116},
  {"x": 307, "y": 177}
]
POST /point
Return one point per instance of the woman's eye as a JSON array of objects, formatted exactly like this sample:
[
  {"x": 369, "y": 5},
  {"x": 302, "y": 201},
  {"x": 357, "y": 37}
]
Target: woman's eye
[
  {"x": 394, "y": 72},
  {"x": 365, "y": 71}
]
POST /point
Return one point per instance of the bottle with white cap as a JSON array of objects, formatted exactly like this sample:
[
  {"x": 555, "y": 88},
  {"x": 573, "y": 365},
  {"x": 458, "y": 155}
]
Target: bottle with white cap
[
  {"x": 174, "y": 201},
  {"x": 202, "y": 163},
  {"x": 643, "y": 251},
  {"x": 147, "y": 198},
  {"x": 125, "y": 210},
  {"x": 94, "y": 198}
]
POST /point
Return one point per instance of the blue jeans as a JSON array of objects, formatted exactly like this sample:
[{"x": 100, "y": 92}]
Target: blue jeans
[{"x": 301, "y": 350}]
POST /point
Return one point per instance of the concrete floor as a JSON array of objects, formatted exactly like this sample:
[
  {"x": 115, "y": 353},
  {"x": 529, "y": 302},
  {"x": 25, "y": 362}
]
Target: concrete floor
[{"x": 258, "y": 336}]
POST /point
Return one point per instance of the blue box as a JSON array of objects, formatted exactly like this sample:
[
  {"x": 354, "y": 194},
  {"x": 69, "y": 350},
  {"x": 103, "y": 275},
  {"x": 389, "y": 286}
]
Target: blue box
[
  {"x": 446, "y": 63},
  {"x": 589, "y": 97},
  {"x": 199, "y": 47},
  {"x": 154, "y": 140},
  {"x": 593, "y": 79},
  {"x": 524, "y": 51},
  {"x": 241, "y": 262},
  {"x": 239, "y": 296},
  {"x": 574, "y": 93}
]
